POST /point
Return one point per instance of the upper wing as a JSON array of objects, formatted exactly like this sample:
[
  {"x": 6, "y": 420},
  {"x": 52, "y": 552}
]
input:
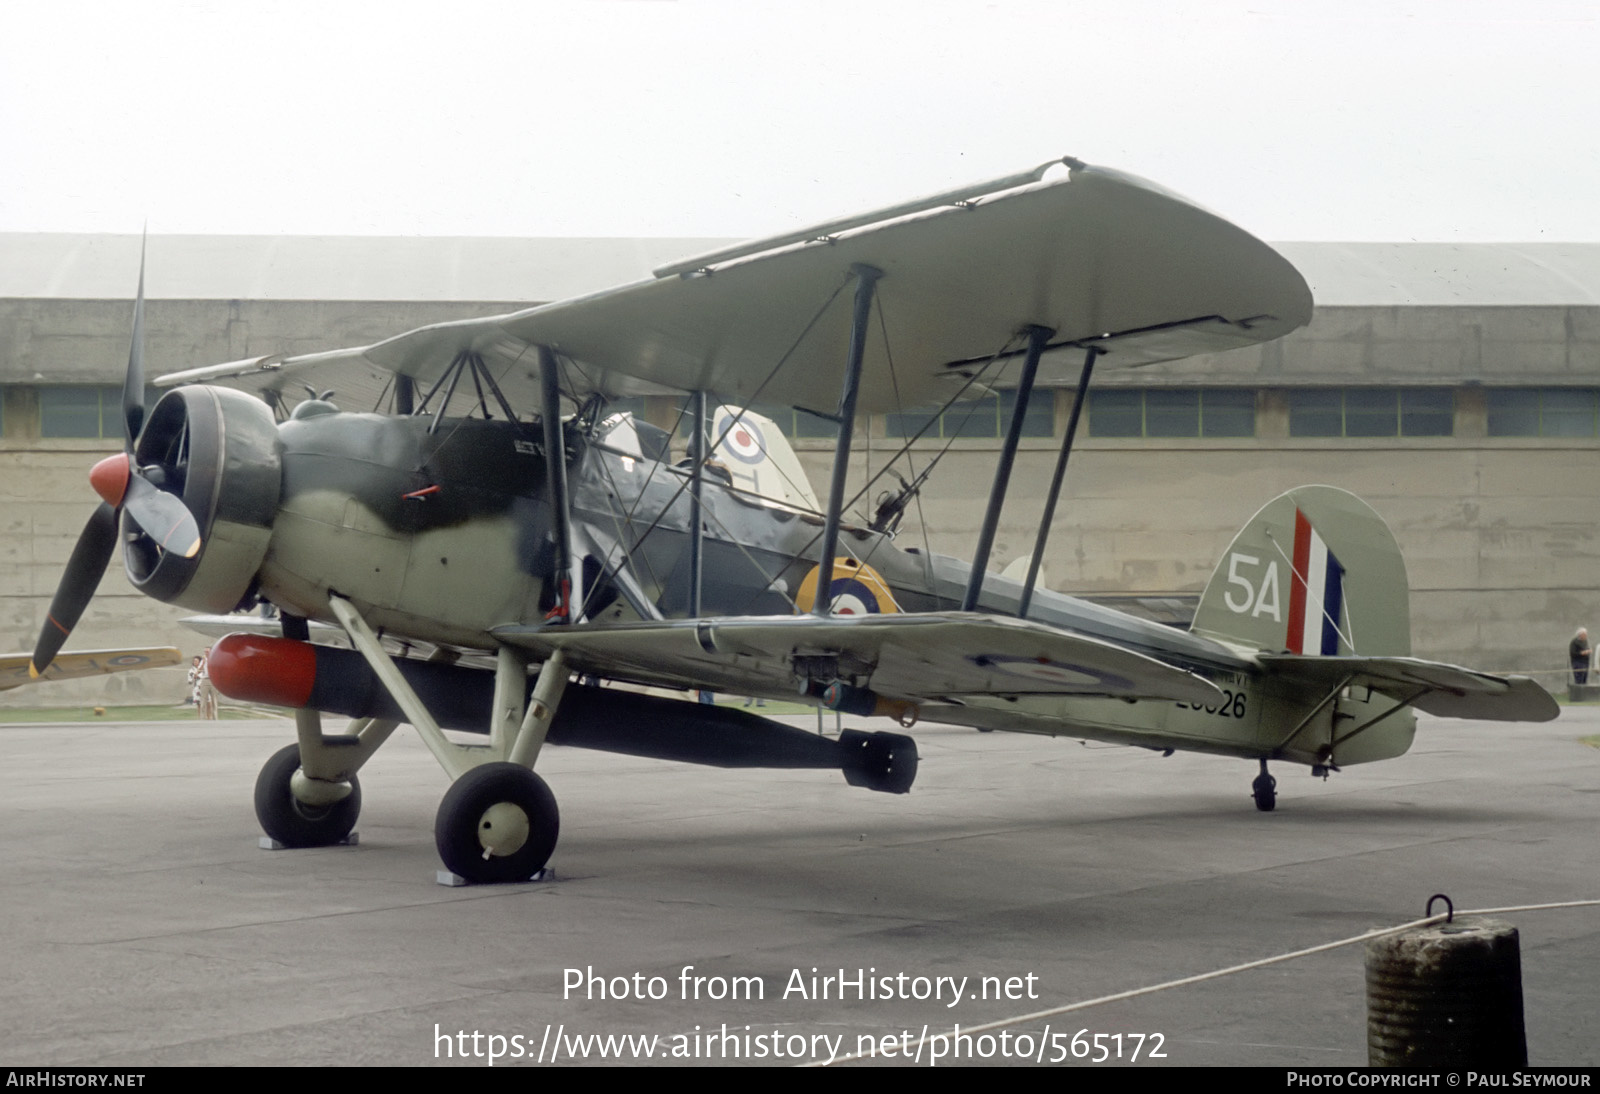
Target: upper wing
[
  {"x": 912, "y": 658},
  {"x": 71, "y": 666},
  {"x": 1100, "y": 257},
  {"x": 1444, "y": 690}
]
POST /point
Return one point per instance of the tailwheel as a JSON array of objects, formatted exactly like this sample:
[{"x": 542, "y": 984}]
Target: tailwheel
[
  {"x": 295, "y": 823},
  {"x": 497, "y": 823},
  {"x": 1264, "y": 790}
]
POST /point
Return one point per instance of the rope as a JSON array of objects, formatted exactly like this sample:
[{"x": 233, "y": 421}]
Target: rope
[{"x": 1217, "y": 974}]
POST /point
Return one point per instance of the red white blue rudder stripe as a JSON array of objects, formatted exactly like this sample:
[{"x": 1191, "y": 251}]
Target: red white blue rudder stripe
[
  {"x": 1316, "y": 600},
  {"x": 1328, "y": 556}
]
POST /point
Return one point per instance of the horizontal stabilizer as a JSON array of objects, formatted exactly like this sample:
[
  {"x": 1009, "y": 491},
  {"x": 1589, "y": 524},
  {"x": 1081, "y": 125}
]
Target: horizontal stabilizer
[
  {"x": 1443, "y": 690},
  {"x": 913, "y": 658}
]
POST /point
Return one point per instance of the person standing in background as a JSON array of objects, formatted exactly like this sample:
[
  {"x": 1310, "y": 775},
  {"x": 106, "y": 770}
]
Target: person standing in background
[
  {"x": 206, "y": 692},
  {"x": 1578, "y": 653}
]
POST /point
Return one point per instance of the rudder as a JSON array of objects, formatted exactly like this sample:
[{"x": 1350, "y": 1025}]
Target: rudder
[{"x": 1316, "y": 571}]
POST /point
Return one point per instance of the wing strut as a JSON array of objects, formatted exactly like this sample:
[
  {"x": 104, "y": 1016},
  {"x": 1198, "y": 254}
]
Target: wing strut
[
  {"x": 555, "y": 469},
  {"x": 1055, "y": 483},
  {"x": 1038, "y": 338},
  {"x": 866, "y": 282},
  {"x": 697, "y": 472}
]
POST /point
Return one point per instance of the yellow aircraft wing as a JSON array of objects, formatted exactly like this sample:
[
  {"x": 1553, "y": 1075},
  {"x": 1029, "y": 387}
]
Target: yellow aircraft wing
[
  {"x": 1100, "y": 257},
  {"x": 73, "y": 665}
]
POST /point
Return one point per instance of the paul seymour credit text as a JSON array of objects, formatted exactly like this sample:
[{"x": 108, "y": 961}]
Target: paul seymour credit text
[{"x": 761, "y": 1038}]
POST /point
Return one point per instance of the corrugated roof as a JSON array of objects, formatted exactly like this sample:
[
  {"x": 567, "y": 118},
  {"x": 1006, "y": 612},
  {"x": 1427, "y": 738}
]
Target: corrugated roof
[
  {"x": 1448, "y": 274},
  {"x": 199, "y": 267},
  {"x": 436, "y": 268}
]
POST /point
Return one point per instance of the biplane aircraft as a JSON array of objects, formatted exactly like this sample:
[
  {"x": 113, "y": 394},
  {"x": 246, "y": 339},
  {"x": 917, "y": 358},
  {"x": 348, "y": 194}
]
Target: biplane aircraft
[{"x": 503, "y": 543}]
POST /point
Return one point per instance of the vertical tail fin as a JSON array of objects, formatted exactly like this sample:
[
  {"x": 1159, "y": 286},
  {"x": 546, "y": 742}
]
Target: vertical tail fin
[
  {"x": 758, "y": 456},
  {"x": 1316, "y": 571}
]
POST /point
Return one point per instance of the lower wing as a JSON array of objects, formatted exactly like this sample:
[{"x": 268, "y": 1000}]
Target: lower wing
[{"x": 931, "y": 656}]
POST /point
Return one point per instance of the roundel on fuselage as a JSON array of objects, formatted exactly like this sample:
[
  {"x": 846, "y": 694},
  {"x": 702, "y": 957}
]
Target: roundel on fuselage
[
  {"x": 857, "y": 589},
  {"x": 741, "y": 439}
]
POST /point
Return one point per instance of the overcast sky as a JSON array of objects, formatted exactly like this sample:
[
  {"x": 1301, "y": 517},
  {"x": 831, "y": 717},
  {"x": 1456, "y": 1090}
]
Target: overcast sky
[{"x": 1352, "y": 120}]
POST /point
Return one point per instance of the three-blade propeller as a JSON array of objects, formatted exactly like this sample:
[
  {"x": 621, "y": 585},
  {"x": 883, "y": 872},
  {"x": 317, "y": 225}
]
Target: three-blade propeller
[{"x": 118, "y": 480}]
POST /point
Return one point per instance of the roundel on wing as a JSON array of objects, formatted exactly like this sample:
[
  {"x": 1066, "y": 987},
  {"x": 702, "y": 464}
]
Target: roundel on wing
[
  {"x": 857, "y": 590},
  {"x": 742, "y": 439}
]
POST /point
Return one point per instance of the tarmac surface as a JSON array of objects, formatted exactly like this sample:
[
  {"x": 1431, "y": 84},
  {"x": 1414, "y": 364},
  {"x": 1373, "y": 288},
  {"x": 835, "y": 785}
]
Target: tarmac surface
[{"x": 140, "y": 923}]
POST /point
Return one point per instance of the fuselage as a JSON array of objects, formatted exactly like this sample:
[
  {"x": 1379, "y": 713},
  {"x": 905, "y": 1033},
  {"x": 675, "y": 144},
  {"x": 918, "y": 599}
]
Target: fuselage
[{"x": 443, "y": 533}]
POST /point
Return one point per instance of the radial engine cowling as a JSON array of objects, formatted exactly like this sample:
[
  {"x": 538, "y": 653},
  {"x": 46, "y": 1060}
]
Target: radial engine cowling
[{"x": 218, "y": 450}]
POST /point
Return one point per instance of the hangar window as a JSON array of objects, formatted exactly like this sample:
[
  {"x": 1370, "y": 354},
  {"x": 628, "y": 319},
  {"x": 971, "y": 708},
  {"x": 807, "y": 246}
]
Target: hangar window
[
  {"x": 1543, "y": 411},
  {"x": 1172, "y": 412},
  {"x": 1371, "y": 412},
  {"x": 80, "y": 411},
  {"x": 1427, "y": 412},
  {"x": 985, "y": 417},
  {"x": 798, "y": 423}
]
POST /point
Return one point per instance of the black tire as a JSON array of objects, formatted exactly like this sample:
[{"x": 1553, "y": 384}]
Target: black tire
[
  {"x": 463, "y": 824},
  {"x": 292, "y": 822},
  {"x": 1265, "y": 791}
]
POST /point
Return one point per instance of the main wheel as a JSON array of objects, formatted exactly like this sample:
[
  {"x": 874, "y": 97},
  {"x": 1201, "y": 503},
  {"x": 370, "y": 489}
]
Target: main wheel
[
  {"x": 291, "y": 821},
  {"x": 1265, "y": 791},
  {"x": 498, "y": 822}
]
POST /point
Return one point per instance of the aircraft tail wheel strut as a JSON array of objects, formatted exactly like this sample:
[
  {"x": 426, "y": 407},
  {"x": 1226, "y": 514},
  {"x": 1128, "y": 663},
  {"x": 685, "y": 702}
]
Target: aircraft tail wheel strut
[{"x": 1264, "y": 789}]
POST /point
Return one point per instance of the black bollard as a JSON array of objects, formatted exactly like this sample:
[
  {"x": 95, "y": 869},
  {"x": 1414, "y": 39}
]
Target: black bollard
[{"x": 1446, "y": 996}]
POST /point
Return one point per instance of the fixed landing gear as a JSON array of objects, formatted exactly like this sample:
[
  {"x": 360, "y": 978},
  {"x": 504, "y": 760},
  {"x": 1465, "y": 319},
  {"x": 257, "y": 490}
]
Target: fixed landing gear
[
  {"x": 292, "y": 822},
  {"x": 497, "y": 823},
  {"x": 1264, "y": 790}
]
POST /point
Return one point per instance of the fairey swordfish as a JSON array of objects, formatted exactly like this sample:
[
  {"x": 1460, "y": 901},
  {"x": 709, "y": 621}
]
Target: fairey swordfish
[{"x": 505, "y": 547}]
